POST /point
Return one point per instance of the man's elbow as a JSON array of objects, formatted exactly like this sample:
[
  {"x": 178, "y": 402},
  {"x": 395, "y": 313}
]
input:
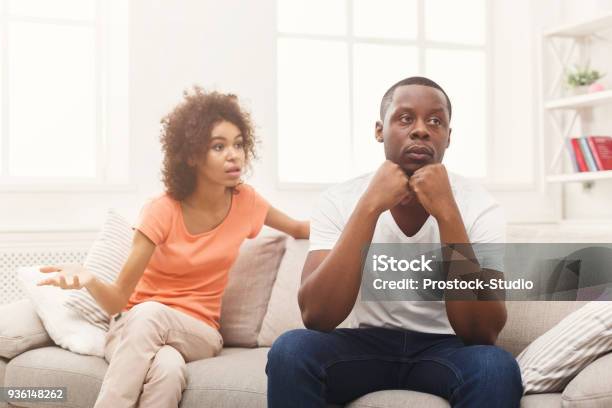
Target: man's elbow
[
  {"x": 312, "y": 319},
  {"x": 312, "y": 322},
  {"x": 481, "y": 337}
]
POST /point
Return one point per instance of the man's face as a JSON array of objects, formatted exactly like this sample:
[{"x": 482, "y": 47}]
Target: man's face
[{"x": 415, "y": 129}]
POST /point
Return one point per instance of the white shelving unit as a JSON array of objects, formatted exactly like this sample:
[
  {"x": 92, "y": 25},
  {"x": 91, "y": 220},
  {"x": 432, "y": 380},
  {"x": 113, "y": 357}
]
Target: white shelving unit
[{"x": 560, "y": 112}]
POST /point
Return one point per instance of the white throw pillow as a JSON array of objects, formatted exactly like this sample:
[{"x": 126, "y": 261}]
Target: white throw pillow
[
  {"x": 67, "y": 328},
  {"x": 105, "y": 259},
  {"x": 557, "y": 356}
]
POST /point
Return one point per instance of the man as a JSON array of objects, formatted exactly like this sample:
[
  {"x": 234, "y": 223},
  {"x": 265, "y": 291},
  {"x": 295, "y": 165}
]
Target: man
[{"x": 440, "y": 347}]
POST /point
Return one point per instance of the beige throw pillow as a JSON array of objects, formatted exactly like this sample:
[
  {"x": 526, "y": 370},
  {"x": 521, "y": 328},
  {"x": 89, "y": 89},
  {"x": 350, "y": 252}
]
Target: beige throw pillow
[
  {"x": 283, "y": 311},
  {"x": 246, "y": 297}
]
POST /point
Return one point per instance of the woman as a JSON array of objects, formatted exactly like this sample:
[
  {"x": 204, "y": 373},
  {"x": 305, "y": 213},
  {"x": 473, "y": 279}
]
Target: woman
[{"x": 167, "y": 297}]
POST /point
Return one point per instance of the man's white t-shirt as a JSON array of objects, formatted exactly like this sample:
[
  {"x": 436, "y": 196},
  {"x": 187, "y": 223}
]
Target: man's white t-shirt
[{"x": 484, "y": 222}]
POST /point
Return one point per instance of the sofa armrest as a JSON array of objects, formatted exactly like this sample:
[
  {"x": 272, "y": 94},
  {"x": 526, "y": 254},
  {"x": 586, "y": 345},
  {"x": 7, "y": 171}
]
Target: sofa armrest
[{"x": 592, "y": 387}]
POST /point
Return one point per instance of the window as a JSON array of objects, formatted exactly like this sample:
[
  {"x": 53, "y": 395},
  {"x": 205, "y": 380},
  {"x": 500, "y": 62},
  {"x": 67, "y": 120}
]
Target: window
[
  {"x": 63, "y": 70},
  {"x": 335, "y": 60}
]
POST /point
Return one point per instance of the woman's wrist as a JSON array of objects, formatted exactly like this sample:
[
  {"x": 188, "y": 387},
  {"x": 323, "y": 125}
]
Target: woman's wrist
[{"x": 89, "y": 281}]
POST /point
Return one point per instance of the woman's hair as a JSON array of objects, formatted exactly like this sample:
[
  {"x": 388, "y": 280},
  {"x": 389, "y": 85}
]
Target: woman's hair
[{"x": 186, "y": 134}]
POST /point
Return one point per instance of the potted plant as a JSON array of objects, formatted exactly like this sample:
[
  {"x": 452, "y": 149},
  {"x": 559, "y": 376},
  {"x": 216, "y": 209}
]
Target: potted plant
[{"x": 584, "y": 79}]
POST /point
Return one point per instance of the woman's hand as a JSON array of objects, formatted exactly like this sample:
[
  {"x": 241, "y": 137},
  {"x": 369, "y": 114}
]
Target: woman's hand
[{"x": 69, "y": 276}]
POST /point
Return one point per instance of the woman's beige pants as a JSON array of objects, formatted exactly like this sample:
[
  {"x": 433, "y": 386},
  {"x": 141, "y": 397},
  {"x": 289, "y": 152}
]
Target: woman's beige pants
[{"x": 147, "y": 348}]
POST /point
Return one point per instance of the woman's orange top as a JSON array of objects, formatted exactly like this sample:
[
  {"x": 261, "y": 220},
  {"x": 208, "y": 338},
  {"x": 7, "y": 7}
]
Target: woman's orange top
[{"x": 189, "y": 272}]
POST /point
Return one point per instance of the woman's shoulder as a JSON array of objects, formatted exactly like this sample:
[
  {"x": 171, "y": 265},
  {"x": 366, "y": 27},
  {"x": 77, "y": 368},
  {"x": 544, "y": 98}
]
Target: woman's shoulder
[
  {"x": 245, "y": 190},
  {"x": 247, "y": 196},
  {"x": 160, "y": 203}
]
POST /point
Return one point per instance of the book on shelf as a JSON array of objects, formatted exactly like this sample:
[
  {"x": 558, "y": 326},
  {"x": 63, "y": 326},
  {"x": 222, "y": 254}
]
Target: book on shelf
[
  {"x": 588, "y": 156},
  {"x": 601, "y": 147},
  {"x": 580, "y": 162},
  {"x": 590, "y": 153}
]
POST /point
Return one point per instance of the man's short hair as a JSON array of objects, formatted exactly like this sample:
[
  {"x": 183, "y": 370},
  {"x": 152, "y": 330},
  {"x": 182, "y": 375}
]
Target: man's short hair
[{"x": 416, "y": 80}]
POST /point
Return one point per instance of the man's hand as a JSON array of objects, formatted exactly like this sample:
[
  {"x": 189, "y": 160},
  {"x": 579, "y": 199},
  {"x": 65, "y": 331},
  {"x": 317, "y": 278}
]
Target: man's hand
[
  {"x": 69, "y": 276},
  {"x": 388, "y": 187},
  {"x": 431, "y": 185}
]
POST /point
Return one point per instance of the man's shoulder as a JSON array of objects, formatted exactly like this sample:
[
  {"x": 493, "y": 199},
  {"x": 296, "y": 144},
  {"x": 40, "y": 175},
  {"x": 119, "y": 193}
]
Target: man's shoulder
[
  {"x": 468, "y": 189},
  {"x": 349, "y": 187},
  {"x": 349, "y": 191}
]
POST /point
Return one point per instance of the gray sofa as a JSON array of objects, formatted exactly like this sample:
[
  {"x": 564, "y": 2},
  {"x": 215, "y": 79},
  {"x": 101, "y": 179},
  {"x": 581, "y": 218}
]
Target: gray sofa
[{"x": 236, "y": 377}]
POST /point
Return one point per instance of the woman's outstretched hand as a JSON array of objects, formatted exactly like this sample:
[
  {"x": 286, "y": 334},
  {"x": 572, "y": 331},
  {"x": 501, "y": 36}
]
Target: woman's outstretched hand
[{"x": 69, "y": 276}]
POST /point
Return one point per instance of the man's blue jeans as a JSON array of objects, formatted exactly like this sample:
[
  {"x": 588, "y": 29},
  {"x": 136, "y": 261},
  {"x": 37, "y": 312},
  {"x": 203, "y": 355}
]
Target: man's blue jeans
[{"x": 307, "y": 368}]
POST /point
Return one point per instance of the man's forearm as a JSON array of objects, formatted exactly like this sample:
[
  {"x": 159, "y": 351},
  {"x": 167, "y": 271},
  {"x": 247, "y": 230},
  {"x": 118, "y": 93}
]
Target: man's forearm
[
  {"x": 476, "y": 322},
  {"x": 327, "y": 296}
]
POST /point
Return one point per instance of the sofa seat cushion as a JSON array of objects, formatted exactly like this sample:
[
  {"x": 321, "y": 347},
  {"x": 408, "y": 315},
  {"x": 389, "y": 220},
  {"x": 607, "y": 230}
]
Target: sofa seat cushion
[
  {"x": 3, "y": 363},
  {"x": 55, "y": 367},
  {"x": 399, "y": 399},
  {"x": 235, "y": 379},
  {"x": 552, "y": 400}
]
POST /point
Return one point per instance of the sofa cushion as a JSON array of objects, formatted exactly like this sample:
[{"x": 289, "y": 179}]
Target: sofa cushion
[
  {"x": 20, "y": 329},
  {"x": 552, "y": 400},
  {"x": 82, "y": 375},
  {"x": 3, "y": 363},
  {"x": 553, "y": 359},
  {"x": 246, "y": 297},
  {"x": 104, "y": 260},
  {"x": 399, "y": 399},
  {"x": 592, "y": 387},
  {"x": 235, "y": 378},
  {"x": 528, "y": 320},
  {"x": 65, "y": 326},
  {"x": 283, "y": 312},
  {"x": 55, "y": 367},
  {"x": 230, "y": 380}
]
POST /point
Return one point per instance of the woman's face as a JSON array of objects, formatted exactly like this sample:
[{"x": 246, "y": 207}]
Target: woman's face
[{"x": 223, "y": 161}]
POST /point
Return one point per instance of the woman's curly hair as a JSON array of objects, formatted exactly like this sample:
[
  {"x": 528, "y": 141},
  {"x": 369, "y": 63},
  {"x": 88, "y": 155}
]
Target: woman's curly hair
[{"x": 186, "y": 134}]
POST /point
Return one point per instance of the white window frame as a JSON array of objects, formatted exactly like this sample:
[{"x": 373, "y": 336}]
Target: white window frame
[
  {"x": 100, "y": 23},
  {"x": 422, "y": 45}
]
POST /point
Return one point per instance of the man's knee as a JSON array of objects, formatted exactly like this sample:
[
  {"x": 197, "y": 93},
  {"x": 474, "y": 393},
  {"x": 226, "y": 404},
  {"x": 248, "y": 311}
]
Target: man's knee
[
  {"x": 293, "y": 349},
  {"x": 498, "y": 369}
]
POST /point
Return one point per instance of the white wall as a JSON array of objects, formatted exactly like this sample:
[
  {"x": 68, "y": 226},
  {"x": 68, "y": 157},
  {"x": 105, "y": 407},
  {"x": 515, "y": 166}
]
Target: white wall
[{"x": 229, "y": 46}]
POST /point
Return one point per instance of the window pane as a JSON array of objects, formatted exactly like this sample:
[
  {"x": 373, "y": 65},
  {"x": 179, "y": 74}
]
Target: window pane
[
  {"x": 465, "y": 86},
  {"x": 51, "y": 94},
  {"x": 455, "y": 21},
  {"x": 313, "y": 111},
  {"x": 312, "y": 16},
  {"x": 376, "y": 68},
  {"x": 385, "y": 18},
  {"x": 116, "y": 136},
  {"x": 69, "y": 9}
]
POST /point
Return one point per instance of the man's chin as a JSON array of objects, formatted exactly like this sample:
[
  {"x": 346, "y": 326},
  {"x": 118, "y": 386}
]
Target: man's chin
[{"x": 410, "y": 167}]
